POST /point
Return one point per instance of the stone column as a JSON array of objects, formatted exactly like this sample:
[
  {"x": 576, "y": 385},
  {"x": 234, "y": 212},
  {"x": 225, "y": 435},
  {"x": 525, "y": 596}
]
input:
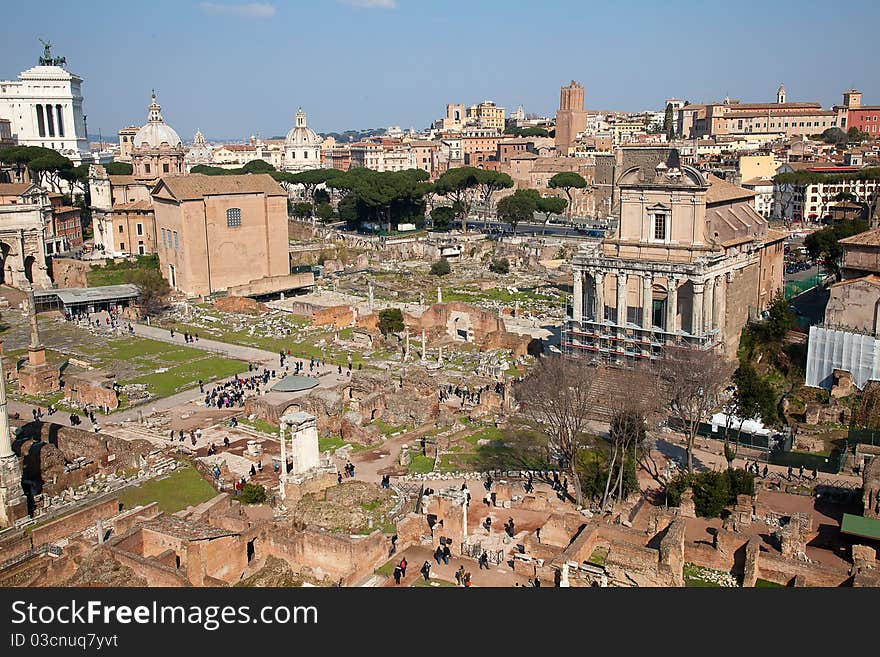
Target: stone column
[
  {"x": 599, "y": 297},
  {"x": 709, "y": 306},
  {"x": 283, "y": 475},
  {"x": 697, "y": 309},
  {"x": 5, "y": 437},
  {"x": 671, "y": 304},
  {"x": 577, "y": 300},
  {"x": 621, "y": 298},
  {"x": 424, "y": 354},
  {"x": 718, "y": 299},
  {"x": 647, "y": 301}
]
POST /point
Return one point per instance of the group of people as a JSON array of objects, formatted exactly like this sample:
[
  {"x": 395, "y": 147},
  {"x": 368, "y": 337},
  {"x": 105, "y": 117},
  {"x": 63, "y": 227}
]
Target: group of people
[
  {"x": 194, "y": 436},
  {"x": 466, "y": 394},
  {"x": 233, "y": 392}
]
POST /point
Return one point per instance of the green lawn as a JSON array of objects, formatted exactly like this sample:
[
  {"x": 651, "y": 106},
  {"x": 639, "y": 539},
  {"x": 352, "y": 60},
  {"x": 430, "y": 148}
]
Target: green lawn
[
  {"x": 420, "y": 464},
  {"x": 386, "y": 428},
  {"x": 180, "y": 377},
  {"x": 766, "y": 584},
  {"x": 259, "y": 425},
  {"x": 182, "y": 488},
  {"x": 700, "y": 576},
  {"x": 599, "y": 555},
  {"x": 116, "y": 273},
  {"x": 330, "y": 442}
]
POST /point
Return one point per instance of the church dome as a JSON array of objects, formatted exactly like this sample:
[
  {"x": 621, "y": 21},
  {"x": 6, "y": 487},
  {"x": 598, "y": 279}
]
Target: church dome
[
  {"x": 156, "y": 132},
  {"x": 301, "y": 134}
]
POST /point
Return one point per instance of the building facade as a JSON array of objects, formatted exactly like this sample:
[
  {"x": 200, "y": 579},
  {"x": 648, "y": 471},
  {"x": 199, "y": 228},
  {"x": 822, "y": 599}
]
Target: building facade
[
  {"x": 45, "y": 108},
  {"x": 217, "y": 232},
  {"x": 690, "y": 262},
  {"x": 302, "y": 148}
]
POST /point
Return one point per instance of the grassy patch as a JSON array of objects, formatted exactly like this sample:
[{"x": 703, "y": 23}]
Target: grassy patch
[
  {"x": 182, "y": 488},
  {"x": 767, "y": 584},
  {"x": 387, "y": 569},
  {"x": 116, "y": 273},
  {"x": 330, "y": 442},
  {"x": 180, "y": 377},
  {"x": 699, "y": 576},
  {"x": 599, "y": 555},
  {"x": 386, "y": 428},
  {"x": 260, "y": 425},
  {"x": 420, "y": 464}
]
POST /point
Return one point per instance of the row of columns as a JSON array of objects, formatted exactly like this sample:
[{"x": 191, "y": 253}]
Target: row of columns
[
  {"x": 46, "y": 126},
  {"x": 707, "y": 309}
]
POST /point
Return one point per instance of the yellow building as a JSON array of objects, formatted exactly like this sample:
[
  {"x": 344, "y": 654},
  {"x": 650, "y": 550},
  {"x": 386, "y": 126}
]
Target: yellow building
[{"x": 487, "y": 115}]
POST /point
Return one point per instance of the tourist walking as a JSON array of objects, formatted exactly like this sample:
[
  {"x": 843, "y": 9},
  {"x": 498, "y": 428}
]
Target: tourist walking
[
  {"x": 398, "y": 573},
  {"x": 426, "y": 570},
  {"x": 403, "y": 565}
]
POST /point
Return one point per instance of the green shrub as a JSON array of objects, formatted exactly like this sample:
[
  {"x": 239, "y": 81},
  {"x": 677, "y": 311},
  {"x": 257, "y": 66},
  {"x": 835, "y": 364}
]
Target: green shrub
[
  {"x": 252, "y": 494},
  {"x": 712, "y": 490},
  {"x": 500, "y": 266},
  {"x": 441, "y": 267}
]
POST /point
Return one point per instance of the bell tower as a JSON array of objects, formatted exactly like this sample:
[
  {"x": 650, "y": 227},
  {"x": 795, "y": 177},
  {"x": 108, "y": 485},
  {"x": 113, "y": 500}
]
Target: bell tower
[{"x": 780, "y": 95}]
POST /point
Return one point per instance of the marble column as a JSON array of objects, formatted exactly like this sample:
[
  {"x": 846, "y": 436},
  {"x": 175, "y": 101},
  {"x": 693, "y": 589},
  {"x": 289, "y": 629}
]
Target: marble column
[
  {"x": 647, "y": 301},
  {"x": 697, "y": 308},
  {"x": 599, "y": 297},
  {"x": 577, "y": 301},
  {"x": 5, "y": 437},
  {"x": 282, "y": 477},
  {"x": 718, "y": 297},
  {"x": 671, "y": 304},
  {"x": 709, "y": 306},
  {"x": 621, "y": 298}
]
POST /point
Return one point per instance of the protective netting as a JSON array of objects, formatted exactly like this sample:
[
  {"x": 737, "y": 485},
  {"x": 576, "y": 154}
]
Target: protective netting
[{"x": 831, "y": 349}]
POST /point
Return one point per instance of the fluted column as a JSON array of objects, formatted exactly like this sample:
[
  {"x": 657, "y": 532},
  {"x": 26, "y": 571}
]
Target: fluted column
[
  {"x": 697, "y": 309},
  {"x": 599, "y": 297},
  {"x": 671, "y": 304},
  {"x": 621, "y": 298},
  {"x": 577, "y": 302},
  {"x": 647, "y": 301}
]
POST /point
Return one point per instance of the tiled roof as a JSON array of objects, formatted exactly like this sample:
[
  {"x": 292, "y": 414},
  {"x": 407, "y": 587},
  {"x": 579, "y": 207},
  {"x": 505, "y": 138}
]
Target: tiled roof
[
  {"x": 125, "y": 180},
  {"x": 13, "y": 189},
  {"x": 721, "y": 191},
  {"x": 197, "y": 185},
  {"x": 134, "y": 205},
  {"x": 868, "y": 238}
]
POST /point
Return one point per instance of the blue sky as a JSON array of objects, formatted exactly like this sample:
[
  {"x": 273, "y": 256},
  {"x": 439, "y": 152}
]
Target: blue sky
[{"x": 233, "y": 69}]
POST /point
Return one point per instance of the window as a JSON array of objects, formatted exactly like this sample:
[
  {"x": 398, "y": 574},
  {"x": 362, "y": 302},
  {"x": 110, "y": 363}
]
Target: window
[
  {"x": 176, "y": 241},
  {"x": 122, "y": 246},
  {"x": 660, "y": 226},
  {"x": 165, "y": 167},
  {"x": 146, "y": 167},
  {"x": 141, "y": 250},
  {"x": 233, "y": 217},
  {"x": 140, "y": 229},
  {"x": 120, "y": 228},
  {"x": 164, "y": 239}
]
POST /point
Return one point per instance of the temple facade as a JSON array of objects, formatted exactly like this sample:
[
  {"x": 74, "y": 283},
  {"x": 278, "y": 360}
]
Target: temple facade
[{"x": 691, "y": 261}]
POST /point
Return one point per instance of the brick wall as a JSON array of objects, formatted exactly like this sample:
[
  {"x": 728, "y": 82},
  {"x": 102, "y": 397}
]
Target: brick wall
[{"x": 75, "y": 522}]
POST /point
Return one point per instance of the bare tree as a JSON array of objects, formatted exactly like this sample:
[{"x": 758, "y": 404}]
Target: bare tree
[
  {"x": 635, "y": 405},
  {"x": 556, "y": 395},
  {"x": 694, "y": 379}
]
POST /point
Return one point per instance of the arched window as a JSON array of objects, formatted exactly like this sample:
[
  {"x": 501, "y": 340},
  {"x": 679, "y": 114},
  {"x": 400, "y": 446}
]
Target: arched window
[{"x": 233, "y": 217}]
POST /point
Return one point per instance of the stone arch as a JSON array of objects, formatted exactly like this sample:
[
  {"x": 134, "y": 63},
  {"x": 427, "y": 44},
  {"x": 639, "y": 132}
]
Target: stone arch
[
  {"x": 29, "y": 268},
  {"x": 292, "y": 408},
  {"x": 5, "y": 250}
]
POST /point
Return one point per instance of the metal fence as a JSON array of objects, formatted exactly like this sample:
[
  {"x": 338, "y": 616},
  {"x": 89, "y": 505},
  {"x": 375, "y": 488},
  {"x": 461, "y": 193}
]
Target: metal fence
[{"x": 863, "y": 436}]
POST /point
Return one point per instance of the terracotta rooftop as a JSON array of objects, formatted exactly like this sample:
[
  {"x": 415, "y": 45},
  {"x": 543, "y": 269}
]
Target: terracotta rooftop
[
  {"x": 13, "y": 189},
  {"x": 197, "y": 185},
  {"x": 721, "y": 191},
  {"x": 186, "y": 530},
  {"x": 125, "y": 180},
  {"x": 239, "y": 148},
  {"x": 868, "y": 238},
  {"x": 134, "y": 205}
]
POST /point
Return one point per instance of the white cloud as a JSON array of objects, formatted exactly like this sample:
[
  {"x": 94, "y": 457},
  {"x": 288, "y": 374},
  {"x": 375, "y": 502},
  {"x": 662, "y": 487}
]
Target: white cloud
[
  {"x": 244, "y": 10},
  {"x": 370, "y": 4}
]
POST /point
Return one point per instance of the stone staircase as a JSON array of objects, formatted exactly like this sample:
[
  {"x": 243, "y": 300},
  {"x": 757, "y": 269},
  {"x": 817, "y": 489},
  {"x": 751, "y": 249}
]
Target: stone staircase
[{"x": 611, "y": 384}]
